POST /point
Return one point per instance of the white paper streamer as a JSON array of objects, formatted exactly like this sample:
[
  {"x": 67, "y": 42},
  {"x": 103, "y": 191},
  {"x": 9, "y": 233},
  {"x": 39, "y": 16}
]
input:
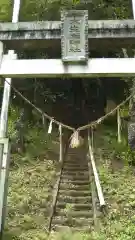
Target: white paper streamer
[
  {"x": 99, "y": 121},
  {"x": 43, "y": 119},
  {"x": 50, "y": 127},
  {"x": 76, "y": 140},
  {"x": 60, "y": 128}
]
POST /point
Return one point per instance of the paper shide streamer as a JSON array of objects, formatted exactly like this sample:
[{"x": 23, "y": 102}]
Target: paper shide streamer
[
  {"x": 50, "y": 127},
  {"x": 76, "y": 140}
]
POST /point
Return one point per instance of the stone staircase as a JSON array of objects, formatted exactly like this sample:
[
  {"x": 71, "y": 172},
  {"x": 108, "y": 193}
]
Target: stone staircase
[{"x": 74, "y": 200}]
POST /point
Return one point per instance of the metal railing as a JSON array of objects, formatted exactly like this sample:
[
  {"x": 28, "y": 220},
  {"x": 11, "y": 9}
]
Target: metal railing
[
  {"x": 62, "y": 153},
  {"x": 95, "y": 173}
]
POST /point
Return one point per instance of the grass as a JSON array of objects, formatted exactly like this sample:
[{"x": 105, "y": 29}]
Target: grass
[
  {"x": 117, "y": 179},
  {"x": 32, "y": 177}
]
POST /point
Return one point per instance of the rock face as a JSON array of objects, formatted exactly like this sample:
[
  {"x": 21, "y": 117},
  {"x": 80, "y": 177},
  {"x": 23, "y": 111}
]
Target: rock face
[{"x": 131, "y": 123}]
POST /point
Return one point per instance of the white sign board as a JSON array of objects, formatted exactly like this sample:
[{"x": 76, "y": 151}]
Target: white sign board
[{"x": 74, "y": 35}]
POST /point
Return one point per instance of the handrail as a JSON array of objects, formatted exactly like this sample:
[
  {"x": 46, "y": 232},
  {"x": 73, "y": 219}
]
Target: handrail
[
  {"x": 96, "y": 178},
  {"x": 92, "y": 194},
  {"x": 61, "y": 144},
  {"x": 62, "y": 154}
]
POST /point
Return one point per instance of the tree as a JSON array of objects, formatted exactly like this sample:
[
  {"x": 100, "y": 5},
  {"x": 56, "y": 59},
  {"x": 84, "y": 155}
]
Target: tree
[{"x": 32, "y": 10}]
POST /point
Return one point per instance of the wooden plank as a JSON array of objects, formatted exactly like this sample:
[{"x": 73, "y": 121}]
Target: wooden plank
[
  {"x": 24, "y": 34},
  {"x": 100, "y": 67}
]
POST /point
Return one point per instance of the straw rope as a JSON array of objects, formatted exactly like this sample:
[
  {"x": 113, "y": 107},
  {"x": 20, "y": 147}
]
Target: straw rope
[{"x": 87, "y": 126}]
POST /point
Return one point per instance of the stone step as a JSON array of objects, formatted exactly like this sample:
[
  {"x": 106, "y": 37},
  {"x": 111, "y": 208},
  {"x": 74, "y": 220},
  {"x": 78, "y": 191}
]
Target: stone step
[
  {"x": 74, "y": 168},
  {"x": 77, "y": 206},
  {"x": 67, "y": 186},
  {"x": 72, "y": 222},
  {"x": 71, "y": 192},
  {"x": 75, "y": 173},
  {"x": 75, "y": 156},
  {"x": 77, "y": 152},
  {"x": 64, "y": 228},
  {"x": 80, "y": 177},
  {"x": 67, "y": 199},
  {"x": 75, "y": 182},
  {"x": 76, "y": 161},
  {"x": 74, "y": 214}
]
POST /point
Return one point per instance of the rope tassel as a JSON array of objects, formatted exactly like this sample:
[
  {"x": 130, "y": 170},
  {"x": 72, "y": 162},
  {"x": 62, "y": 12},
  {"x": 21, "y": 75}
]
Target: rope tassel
[
  {"x": 50, "y": 127},
  {"x": 76, "y": 140}
]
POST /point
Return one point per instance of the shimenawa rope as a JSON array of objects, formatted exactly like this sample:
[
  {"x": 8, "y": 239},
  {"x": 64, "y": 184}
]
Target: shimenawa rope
[{"x": 75, "y": 139}]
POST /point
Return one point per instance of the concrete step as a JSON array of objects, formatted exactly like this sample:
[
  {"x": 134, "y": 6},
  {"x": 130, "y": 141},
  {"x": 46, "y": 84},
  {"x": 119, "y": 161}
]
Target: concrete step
[
  {"x": 76, "y": 159},
  {"x": 74, "y": 214},
  {"x": 65, "y": 228},
  {"x": 71, "y": 192},
  {"x": 75, "y": 173},
  {"x": 75, "y": 164},
  {"x": 72, "y": 222},
  {"x": 75, "y": 182},
  {"x": 74, "y": 168},
  {"x": 67, "y": 186},
  {"x": 70, "y": 177},
  {"x": 69, "y": 199},
  {"x": 77, "y": 206}
]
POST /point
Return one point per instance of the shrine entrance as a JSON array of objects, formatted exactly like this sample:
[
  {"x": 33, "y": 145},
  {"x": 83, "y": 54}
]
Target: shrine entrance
[{"x": 75, "y": 35}]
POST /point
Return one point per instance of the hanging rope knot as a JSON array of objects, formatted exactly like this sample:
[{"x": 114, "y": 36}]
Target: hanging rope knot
[
  {"x": 76, "y": 140},
  {"x": 99, "y": 121}
]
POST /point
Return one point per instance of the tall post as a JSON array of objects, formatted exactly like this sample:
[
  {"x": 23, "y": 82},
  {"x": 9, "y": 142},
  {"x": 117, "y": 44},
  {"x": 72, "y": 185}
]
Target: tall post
[
  {"x": 131, "y": 123},
  {"x": 3, "y": 130},
  {"x": 7, "y": 84},
  {"x": 61, "y": 145},
  {"x": 133, "y": 8},
  {"x": 119, "y": 125}
]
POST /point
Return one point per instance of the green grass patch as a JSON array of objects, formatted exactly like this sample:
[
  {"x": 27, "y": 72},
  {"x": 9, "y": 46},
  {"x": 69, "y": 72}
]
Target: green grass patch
[{"x": 31, "y": 180}]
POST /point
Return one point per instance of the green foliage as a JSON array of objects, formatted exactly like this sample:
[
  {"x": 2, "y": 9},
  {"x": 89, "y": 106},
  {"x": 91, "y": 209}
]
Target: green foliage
[
  {"x": 14, "y": 113},
  {"x": 68, "y": 234},
  {"x": 128, "y": 156},
  {"x": 118, "y": 186},
  {"x": 121, "y": 151},
  {"x": 50, "y": 10},
  {"x": 31, "y": 179},
  {"x": 5, "y": 10}
]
